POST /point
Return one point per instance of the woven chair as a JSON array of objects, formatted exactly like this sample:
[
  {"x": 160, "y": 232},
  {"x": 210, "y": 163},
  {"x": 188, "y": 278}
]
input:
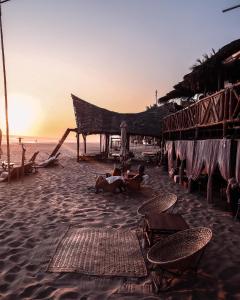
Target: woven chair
[
  {"x": 156, "y": 221},
  {"x": 178, "y": 253},
  {"x": 159, "y": 225},
  {"x": 158, "y": 204}
]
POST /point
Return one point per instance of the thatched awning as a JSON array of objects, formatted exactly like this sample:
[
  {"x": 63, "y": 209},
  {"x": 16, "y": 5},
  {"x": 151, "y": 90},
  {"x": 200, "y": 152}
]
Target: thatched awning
[
  {"x": 209, "y": 75},
  {"x": 92, "y": 119}
]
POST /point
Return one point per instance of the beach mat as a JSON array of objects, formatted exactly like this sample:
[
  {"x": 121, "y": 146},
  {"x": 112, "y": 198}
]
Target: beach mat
[{"x": 103, "y": 252}]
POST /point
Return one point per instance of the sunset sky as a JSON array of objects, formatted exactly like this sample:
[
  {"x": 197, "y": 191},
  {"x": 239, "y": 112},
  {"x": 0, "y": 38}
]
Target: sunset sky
[{"x": 112, "y": 53}]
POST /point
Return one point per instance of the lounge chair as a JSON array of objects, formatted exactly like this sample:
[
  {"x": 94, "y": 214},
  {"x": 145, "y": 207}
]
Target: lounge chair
[
  {"x": 134, "y": 184},
  {"x": 17, "y": 171},
  {"x": 50, "y": 162},
  {"x": 111, "y": 187},
  {"x": 178, "y": 253}
]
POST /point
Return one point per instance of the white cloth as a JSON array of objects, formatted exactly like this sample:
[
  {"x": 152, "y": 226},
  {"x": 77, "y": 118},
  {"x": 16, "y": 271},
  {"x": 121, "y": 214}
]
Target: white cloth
[
  {"x": 145, "y": 179},
  {"x": 112, "y": 179}
]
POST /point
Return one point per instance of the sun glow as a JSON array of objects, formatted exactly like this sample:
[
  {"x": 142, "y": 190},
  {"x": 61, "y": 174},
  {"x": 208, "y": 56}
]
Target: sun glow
[{"x": 24, "y": 114}]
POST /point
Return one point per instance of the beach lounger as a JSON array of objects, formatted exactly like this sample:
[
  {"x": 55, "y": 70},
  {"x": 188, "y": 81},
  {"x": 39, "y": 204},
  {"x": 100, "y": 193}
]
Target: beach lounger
[
  {"x": 50, "y": 162},
  {"x": 17, "y": 171},
  {"x": 176, "y": 254}
]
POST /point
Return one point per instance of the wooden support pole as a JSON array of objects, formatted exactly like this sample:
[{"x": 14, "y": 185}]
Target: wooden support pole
[
  {"x": 23, "y": 161},
  {"x": 85, "y": 143},
  {"x": 225, "y": 127},
  {"x": 107, "y": 144},
  {"x": 58, "y": 146},
  {"x": 196, "y": 133},
  {"x": 78, "y": 145},
  {"x": 5, "y": 93},
  {"x": 128, "y": 142}
]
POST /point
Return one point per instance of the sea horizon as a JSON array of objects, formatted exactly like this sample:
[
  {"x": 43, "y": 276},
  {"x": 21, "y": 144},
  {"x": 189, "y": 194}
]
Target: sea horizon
[{"x": 14, "y": 139}]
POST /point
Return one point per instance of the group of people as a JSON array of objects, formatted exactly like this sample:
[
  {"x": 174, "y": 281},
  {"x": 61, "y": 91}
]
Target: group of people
[{"x": 118, "y": 182}]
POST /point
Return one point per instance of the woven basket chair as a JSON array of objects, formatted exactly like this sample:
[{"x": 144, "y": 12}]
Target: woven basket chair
[
  {"x": 158, "y": 204},
  {"x": 179, "y": 252}
]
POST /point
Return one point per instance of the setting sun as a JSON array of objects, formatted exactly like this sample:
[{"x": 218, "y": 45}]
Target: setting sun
[{"x": 24, "y": 114}]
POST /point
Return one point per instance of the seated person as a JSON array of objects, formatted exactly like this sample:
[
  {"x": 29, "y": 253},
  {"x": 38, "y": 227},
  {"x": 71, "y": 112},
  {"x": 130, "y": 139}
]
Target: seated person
[
  {"x": 133, "y": 181},
  {"x": 110, "y": 183}
]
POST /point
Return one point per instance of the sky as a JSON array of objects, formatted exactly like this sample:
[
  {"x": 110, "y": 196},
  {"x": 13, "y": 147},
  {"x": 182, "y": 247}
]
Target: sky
[{"x": 112, "y": 53}]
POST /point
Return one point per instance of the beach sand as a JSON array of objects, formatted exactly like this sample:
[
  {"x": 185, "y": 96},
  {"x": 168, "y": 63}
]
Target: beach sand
[{"x": 36, "y": 211}]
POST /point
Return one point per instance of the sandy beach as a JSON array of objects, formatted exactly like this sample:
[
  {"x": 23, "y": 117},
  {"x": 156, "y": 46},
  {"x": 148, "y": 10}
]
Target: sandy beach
[{"x": 36, "y": 212}]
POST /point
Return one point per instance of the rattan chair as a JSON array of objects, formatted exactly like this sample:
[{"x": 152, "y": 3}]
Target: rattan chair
[
  {"x": 156, "y": 221},
  {"x": 178, "y": 253},
  {"x": 159, "y": 225},
  {"x": 158, "y": 204}
]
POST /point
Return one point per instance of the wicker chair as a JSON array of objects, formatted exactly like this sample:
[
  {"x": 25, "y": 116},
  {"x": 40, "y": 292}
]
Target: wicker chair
[
  {"x": 158, "y": 204},
  {"x": 178, "y": 253},
  {"x": 156, "y": 221}
]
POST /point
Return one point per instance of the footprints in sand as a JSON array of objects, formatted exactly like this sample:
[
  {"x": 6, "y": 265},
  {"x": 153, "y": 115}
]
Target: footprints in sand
[{"x": 41, "y": 210}]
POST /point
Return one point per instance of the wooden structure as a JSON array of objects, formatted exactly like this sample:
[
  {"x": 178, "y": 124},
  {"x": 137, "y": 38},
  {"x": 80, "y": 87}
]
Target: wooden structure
[
  {"x": 205, "y": 136},
  {"x": 215, "y": 116},
  {"x": 91, "y": 119}
]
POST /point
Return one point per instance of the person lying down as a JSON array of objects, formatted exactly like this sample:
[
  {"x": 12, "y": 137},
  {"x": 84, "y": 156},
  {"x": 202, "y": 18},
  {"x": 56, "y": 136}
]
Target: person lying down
[{"x": 116, "y": 182}]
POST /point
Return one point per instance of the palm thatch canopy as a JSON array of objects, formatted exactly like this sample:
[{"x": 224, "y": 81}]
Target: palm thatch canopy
[
  {"x": 92, "y": 119},
  {"x": 211, "y": 72}
]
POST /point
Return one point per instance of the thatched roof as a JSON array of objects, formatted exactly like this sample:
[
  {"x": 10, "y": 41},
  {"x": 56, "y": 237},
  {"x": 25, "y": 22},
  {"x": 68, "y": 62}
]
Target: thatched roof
[
  {"x": 206, "y": 76},
  {"x": 92, "y": 119}
]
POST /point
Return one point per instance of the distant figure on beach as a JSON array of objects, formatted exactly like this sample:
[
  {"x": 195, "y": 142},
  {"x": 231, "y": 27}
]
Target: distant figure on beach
[{"x": 233, "y": 194}]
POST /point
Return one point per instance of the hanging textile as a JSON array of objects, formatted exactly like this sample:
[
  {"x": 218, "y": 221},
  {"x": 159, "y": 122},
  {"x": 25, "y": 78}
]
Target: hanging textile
[
  {"x": 184, "y": 151},
  {"x": 210, "y": 154},
  {"x": 169, "y": 148}
]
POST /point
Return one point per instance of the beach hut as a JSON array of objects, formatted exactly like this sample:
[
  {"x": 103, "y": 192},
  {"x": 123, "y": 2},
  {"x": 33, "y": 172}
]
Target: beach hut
[{"x": 91, "y": 119}]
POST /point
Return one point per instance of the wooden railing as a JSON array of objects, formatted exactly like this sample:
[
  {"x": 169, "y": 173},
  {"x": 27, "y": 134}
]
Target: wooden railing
[{"x": 221, "y": 107}]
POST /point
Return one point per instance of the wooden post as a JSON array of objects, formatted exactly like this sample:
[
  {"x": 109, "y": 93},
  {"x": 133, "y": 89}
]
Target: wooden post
[
  {"x": 219, "y": 80},
  {"x": 78, "y": 145},
  {"x": 100, "y": 143},
  {"x": 196, "y": 133},
  {"x": 5, "y": 93},
  {"x": 23, "y": 161},
  {"x": 225, "y": 127},
  {"x": 128, "y": 142},
  {"x": 85, "y": 142},
  {"x": 107, "y": 144}
]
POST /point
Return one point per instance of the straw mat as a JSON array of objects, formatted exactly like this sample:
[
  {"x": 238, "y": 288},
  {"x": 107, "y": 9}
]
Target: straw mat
[{"x": 99, "y": 252}]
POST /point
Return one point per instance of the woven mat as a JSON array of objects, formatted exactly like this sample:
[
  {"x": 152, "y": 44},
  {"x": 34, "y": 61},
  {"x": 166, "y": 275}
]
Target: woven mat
[{"x": 99, "y": 252}]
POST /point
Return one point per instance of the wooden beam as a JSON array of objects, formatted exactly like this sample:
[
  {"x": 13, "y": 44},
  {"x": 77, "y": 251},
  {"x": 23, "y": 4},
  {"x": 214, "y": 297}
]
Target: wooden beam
[
  {"x": 84, "y": 143},
  {"x": 78, "y": 146},
  {"x": 61, "y": 141},
  {"x": 230, "y": 8},
  {"x": 106, "y": 144}
]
